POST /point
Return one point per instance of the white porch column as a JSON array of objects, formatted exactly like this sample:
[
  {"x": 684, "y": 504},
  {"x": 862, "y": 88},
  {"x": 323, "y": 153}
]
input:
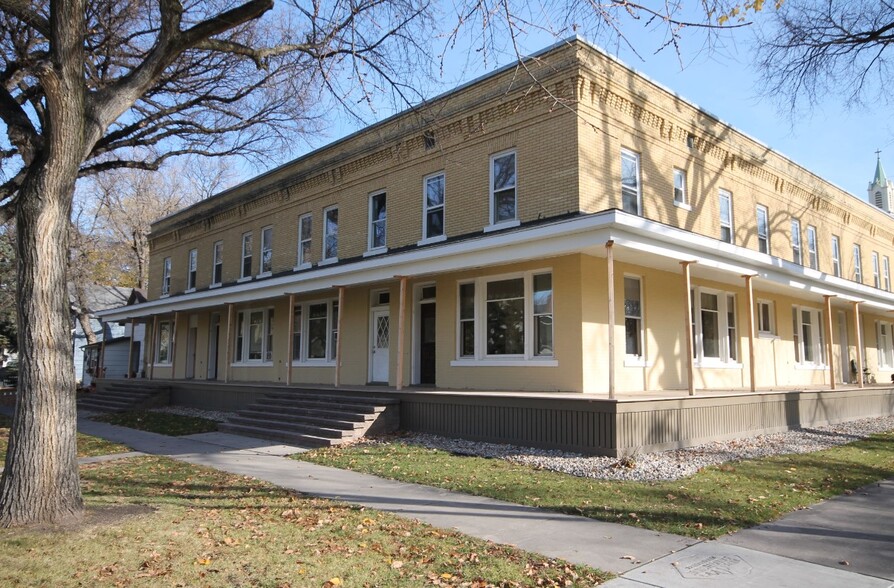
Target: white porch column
[
  {"x": 174, "y": 346},
  {"x": 341, "y": 314},
  {"x": 151, "y": 348},
  {"x": 402, "y": 309},
  {"x": 228, "y": 352},
  {"x": 690, "y": 368},
  {"x": 610, "y": 262},
  {"x": 100, "y": 369},
  {"x": 291, "y": 344},
  {"x": 859, "y": 339},
  {"x": 829, "y": 342},
  {"x": 750, "y": 295},
  {"x": 133, "y": 329}
]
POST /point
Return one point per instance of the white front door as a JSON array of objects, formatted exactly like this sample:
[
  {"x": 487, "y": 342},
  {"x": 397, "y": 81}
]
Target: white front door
[{"x": 381, "y": 342}]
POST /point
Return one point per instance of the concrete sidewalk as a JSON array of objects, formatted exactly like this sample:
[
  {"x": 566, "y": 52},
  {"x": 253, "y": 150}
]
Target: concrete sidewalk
[{"x": 802, "y": 549}]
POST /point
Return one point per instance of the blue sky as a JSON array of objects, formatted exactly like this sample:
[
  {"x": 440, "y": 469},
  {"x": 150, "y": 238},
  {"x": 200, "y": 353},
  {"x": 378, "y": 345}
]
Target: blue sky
[{"x": 836, "y": 142}]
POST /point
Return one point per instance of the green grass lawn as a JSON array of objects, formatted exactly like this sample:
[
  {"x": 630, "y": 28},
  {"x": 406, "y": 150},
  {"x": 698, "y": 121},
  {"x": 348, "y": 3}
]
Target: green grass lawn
[
  {"x": 208, "y": 528},
  {"x": 713, "y": 502},
  {"x": 87, "y": 446},
  {"x": 163, "y": 423}
]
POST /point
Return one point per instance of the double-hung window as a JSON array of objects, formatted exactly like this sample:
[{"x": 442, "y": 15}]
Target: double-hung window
[
  {"x": 680, "y": 196},
  {"x": 506, "y": 318},
  {"x": 633, "y": 317},
  {"x": 858, "y": 264},
  {"x": 886, "y": 272},
  {"x": 254, "y": 336},
  {"x": 876, "y": 271},
  {"x": 164, "y": 345},
  {"x": 378, "y": 217},
  {"x": 763, "y": 229},
  {"x": 796, "y": 242},
  {"x": 807, "y": 328},
  {"x": 836, "y": 256},
  {"x": 246, "y": 257},
  {"x": 631, "y": 197},
  {"x": 885, "y": 339},
  {"x": 305, "y": 234},
  {"x": 315, "y": 331},
  {"x": 812, "y": 258},
  {"x": 503, "y": 197},
  {"x": 726, "y": 216},
  {"x": 714, "y": 327},
  {"x": 266, "y": 251},
  {"x": 217, "y": 267},
  {"x": 330, "y": 234},
  {"x": 166, "y": 277},
  {"x": 766, "y": 320},
  {"x": 433, "y": 207},
  {"x": 192, "y": 263}
]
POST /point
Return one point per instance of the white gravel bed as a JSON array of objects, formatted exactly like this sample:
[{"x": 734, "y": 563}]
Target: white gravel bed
[
  {"x": 664, "y": 465},
  {"x": 212, "y": 415}
]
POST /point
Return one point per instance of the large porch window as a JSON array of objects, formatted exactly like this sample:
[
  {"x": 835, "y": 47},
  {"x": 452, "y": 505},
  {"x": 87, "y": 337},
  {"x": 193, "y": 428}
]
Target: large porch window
[
  {"x": 506, "y": 318},
  {"x": 807, "y": 329},
  {"x": 885, "y": 344},
  {"x": 164, "y": 343},
  {"x": 254, "y": 336},
  {"x": 315, "y": 332},
  {"x": 714, "y": 328}
]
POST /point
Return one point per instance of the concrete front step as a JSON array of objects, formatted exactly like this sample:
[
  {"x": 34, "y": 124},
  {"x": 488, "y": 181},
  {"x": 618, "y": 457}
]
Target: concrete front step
[
  {"x": 120, "y": 398},
  {"x": 337, "y": 413},
  {"x": 288, "y": 437},
  {"x": 293, "y": 427},
  {"x": 335, "y": 422},
  {"x": 371, "y": 407}
]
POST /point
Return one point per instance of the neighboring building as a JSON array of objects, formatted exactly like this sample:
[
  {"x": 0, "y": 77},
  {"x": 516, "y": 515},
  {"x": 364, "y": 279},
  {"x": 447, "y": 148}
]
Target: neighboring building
[
  {"x": 86, "y": 356},
  {"x": 484, "y": 225}
]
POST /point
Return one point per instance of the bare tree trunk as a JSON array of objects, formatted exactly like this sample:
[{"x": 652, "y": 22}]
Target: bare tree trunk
[{"x": 40, "y": 482}]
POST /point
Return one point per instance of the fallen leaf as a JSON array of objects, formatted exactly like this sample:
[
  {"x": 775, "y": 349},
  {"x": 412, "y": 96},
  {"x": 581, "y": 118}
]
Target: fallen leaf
[
  {"x": 397, "y": 564},
  {"x": 630, "y": 557}
]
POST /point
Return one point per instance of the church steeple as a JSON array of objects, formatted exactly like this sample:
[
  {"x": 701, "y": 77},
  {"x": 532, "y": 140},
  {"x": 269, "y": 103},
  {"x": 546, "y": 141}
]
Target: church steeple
[{"x": 881, "y": 189}]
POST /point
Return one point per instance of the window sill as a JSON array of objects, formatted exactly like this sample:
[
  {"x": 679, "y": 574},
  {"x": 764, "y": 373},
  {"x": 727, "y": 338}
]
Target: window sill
[
  {"x": 302, "y": 266},
  {"x": 313, "y": 363},
  {"x": 811, "y": 367},
  {"x": 502, "y": 225},
  {"x": 189, "y": 290},
  {"x": 168, "y": 295},
  {"x": 682, "y": 205},
  {"x": 637, "y": 362},
  {"x": 328, "y": 261},
  {"x": 521, "y": 362},
  {"x": 213, "y": 286},
  {"x": 376, "y": 251},
  {"x": 718, "y": 365},
  {"x": 264, "y": 275},
  {"x": 765, "y": 335},
  {"x": 431, "y": 240},
  {"x": 248, "y": 364},
  {"x": 162, "y": 365},
  {"x": 245, "y": 279}
]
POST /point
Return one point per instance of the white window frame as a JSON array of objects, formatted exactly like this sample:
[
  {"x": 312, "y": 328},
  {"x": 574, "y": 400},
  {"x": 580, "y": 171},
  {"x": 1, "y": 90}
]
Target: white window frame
[
  {"x": 725, "y": 359},
  {"x": 876, "y": 271},
  {"x": 797, "y": 255},
  {"x": 372, "y": 223},
  {"x": 763, "y": 235},
  {"x": 217, "y": 256},
  {"x": 244, "y": 316},
  {"x": 858, "y": 263},
  {"x": 166, "y": 277},
  {"x": 481, "y": 357},
  {"x": 192, "y": 270},
  {"x": 169, "y": 359},
  {"x": 726, "y": 223},
  {"x": 812, "y": 257},
  {"x": 681, "y": 196},
  {"x": 427, "y": 210},
  {"x": 331, "y": 333},
  {"x": 886, "y": 273},
  {"x": 265, "y": 265},
  {"x": 629, "y": 155},
  {"x": 507, "y": 222},
  {"x": 885, "y": 344},
  {"x": 305, "y": 240},
  {"x": 836, "y": 256},
  {"x": 635, "y": 359},
  {"x": 246, "y": 254},
  {"x": 818, "y": 345},
  {"x": 327, "y": 234},
  {"x": 765, "y": 328}
]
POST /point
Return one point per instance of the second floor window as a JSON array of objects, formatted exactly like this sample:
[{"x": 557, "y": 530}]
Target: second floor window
[
  {"x": 763, "y": 229},
  {"x": 858, "y": 264},
  {"x": 812, "y": 257},
  {"x": 433, "y": 223},
  {"x": 217, "y": 269},
  {"x": 246, "y": 256},
  {"x": 378, "y": 217},
  {"x": 266, "y": 250},
  {"x": 886, "y": 273},
  {"x": 330, "y": 233},
  {"x": 726, "y": 217},
  {"x": 796, "y": 241},
  {"x": 502, "y": 188},
  {"x": 191, "y": 272},
  {"x": 166, "y": 277},
  {"x": 876, "y": 272},
  {"x": 305, "y": 234},
  {"x": 836, "y": 256},
  {"x": 630, "y": 188},
  {"x": 680, "y": 187}
]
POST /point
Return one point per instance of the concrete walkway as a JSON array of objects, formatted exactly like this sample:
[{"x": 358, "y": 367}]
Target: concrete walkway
[{"x": 805, "y": 548}]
